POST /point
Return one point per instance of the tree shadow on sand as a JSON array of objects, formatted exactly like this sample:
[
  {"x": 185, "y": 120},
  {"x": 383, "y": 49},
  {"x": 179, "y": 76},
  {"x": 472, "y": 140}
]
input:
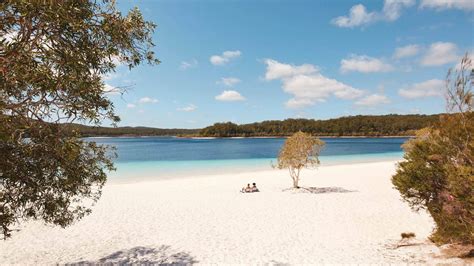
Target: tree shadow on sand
[
  {"x": 319, "y": 190},
  {"x": 162, "y": 255}
]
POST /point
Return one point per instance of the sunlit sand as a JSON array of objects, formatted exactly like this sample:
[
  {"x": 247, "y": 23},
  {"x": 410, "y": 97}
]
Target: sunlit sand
[{"x": 354, "y": 216}]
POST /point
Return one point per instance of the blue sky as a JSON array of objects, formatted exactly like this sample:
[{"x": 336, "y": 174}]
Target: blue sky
[{"x": 247, "y": 61}]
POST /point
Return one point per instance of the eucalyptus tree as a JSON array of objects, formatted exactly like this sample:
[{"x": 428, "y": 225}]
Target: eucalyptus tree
[
  {"x": 53, "y": 57},
  {"x": 299, "y": 151}
]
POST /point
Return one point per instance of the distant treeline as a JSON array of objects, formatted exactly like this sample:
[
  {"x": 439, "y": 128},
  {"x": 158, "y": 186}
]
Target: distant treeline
[
  {"x": 90, "y": 131},
  {"x": 384, "y": 125}
]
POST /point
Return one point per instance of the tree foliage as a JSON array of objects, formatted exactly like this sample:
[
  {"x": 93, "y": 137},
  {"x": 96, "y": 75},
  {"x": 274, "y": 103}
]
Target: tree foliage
[
  {"x": 299, "y": 151},
  {"x": 384, "y": 125},
  {"x": 438, "y": 171},
  {"x": 53, "y": 56}
]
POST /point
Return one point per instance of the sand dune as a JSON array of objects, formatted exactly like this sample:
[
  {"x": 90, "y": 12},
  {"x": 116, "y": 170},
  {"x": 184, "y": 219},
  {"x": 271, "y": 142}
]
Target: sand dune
[{"x": 358, "y": 218}]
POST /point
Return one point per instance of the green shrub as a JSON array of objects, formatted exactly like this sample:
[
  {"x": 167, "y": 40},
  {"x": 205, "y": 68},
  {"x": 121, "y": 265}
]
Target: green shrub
[{"x": 438, "y": 171}]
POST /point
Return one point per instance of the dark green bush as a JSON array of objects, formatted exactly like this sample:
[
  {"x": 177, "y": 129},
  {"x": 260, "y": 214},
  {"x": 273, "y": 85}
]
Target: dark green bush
[{"x": 438, "y": 171}]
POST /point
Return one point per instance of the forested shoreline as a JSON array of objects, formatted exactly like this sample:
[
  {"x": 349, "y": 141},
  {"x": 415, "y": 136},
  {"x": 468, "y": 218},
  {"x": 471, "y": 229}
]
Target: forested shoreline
[
  {"x": 93, "y": 131},
  {"x": 350, "y": 126},
  {"x": 386, "y": 125}
]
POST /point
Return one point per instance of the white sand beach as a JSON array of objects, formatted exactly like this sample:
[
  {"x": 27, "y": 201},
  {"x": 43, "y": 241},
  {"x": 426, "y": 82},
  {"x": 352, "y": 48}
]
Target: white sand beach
[{"x": 207, "y": 220}]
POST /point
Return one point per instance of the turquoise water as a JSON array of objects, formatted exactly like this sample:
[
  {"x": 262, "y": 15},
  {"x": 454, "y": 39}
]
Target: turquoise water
[
  {"x": 175, "y": 169},
  {"x": 160, "y": 158}
]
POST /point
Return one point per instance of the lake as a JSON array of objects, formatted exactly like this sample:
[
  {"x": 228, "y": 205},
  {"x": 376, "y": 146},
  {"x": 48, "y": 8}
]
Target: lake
[{"x": 168, "y": 157}]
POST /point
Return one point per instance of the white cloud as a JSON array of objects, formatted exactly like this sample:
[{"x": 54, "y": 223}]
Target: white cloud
[
  {"x": 318, "y": 87},
  {"x": 218, "y": 60},
  {"x": 372, "y": 100},
  {"x": 447, "y": 4},
  {"x": 230, "y": 81},
  {"x": 348, "y": 93},
  {"x": 147, "y": 100},
  {"x": 406, "y": 51},
  {"x": 359, "y": 16},
  {"x": 224, "y": 58},
  {"x": 188, "y": 64},
  {"x": 231, "y": 54},
  {"x": 364, "y": 64},
  {"x": 392, "y": 8},
  {"x": 440, "y": 53},
  {"x": 277, "y": 70},
  {"x": 306, "y": 85},
  {"x": 432, "y": 87},
  {"x": 131, "y": 106},
  {"x": 189, "y": 108},
  {"x": 230, "y": 96}
]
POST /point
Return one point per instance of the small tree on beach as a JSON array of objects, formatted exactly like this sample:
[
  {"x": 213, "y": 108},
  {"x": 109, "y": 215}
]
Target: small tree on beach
[
  {"x": 438, "y": 171},
  {"x": 299, "y": 151},
  {"x": 54, "y": 56}
]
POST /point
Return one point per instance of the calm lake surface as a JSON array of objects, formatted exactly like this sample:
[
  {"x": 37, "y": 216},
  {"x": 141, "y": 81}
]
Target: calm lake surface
[{"x": 167, "y": 157}]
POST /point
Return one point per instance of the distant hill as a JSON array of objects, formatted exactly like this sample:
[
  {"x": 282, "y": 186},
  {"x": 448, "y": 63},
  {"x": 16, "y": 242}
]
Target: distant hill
[{"x": 360, "y": 125}]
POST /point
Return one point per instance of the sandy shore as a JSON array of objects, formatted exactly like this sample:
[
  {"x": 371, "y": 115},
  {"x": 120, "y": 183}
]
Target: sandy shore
[{"x": 207, "y": 220}]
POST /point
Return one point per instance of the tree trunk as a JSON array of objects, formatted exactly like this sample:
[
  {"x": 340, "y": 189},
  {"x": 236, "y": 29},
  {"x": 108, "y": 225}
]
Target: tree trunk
[
  {"x": 295, "y": 175},
  {"x": 295, "y": 182}
]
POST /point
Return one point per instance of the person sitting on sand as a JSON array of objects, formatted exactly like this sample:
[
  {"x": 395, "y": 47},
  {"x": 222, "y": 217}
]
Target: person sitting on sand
[
  {"x": 247, "y": 189},
  {"x": 254, "y": 188}
]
